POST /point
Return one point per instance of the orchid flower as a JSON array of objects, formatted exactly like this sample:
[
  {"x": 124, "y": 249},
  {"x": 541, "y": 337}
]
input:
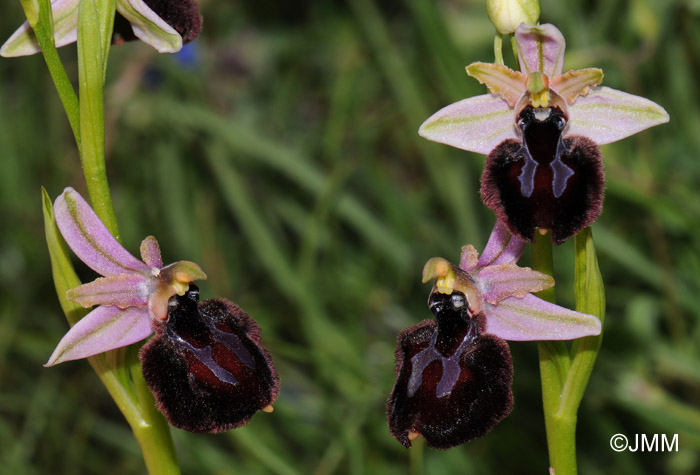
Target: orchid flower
[
  {"x": 133, "y": 295},
  {"x": 541, "y": 130},
  {"x": 454, "y": 373},
  {"x": 163, "y": 24},
  {"x": 206, "y": 365}
]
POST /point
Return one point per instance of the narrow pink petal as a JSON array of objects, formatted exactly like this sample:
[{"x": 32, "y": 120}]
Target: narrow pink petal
[
  {"x": 540, "y": 48},
  {"x": 573, "y": 84},
  {"x": 476, "y": 124},
  {"x": 469, "y": 258},
  {"x": 103, "y": 329},
  {"x": 498, "y": 282},
  {"x": 89, "y": 238},
  {"x": 65, "y": 27},
  {"x": 534, "y": 319},
  {"x": 502, "y": 247},
  {"x": 123, "y": 290},
  {"x": 500, "y": 80},
  {"x": 150, "y": 252},
  {"x": 607, "y": 115}
]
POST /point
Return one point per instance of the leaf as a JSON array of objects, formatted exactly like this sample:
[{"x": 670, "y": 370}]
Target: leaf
[{"x": 590, "y": 298}]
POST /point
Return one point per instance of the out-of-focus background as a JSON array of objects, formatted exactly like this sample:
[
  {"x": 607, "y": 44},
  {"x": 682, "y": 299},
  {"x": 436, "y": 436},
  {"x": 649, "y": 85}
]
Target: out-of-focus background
[{"x": 280, "y": 152}]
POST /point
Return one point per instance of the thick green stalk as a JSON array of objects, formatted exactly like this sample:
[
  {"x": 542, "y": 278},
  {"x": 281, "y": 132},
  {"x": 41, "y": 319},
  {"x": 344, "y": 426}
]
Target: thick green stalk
[
  {"x": 556, "y": 353},
  {"x": 416, "y": 457},
  {"x": 498, "y": 48},
  {"x": 554, "y": 368},
  {"x": 514, "y": 45},
  {"x": 92, "y": 125},
  {"x": 566, "y": 374},
  {"x": 152, "y": 432}
]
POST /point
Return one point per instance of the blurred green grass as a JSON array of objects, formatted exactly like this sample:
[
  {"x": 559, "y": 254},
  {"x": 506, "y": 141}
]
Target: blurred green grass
[{"x": 286, "y": 162}]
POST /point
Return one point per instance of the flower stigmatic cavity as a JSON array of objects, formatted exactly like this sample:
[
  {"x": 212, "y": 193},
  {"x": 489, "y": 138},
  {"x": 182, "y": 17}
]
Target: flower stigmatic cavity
[
  {"x": 206, "y": 366},
  {"x": 541, "y": 129},
  {"x": 164, "y": 24},
  {"x": 454, "y": 373}
]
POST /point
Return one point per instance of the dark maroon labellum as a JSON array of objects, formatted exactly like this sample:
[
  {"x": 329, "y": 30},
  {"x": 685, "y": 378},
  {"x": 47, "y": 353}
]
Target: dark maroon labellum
[
  {"x": 544, "y": 181},
  {"x": 182, "y": 15},
  {"x": 453, "y": 383},
  {"x": 206, "y": 366}
]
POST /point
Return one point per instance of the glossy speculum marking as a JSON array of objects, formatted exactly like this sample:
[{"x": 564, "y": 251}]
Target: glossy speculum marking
[
  {"x": 545, "y": 180},
  {"x": 206, "y": 366},
  {"x": 453, "y": 383}
]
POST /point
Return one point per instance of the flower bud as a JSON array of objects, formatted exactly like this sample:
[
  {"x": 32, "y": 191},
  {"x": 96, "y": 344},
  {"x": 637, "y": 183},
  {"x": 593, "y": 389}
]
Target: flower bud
[{"x": 506, "y": 15}]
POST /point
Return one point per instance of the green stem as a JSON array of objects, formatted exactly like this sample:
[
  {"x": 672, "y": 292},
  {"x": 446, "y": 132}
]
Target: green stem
[
  {"x": 153, "y": 433},
  {"x": 565, "y": 374},
  {"x": 555, "y": 352},
  {"x": 498, "y": 48},
  {"x": 554, "y": 368},
  {"x": 514, "y": 45},
  {"x": 543, "y": 261},
  {"x": 416, "y": 457},
  {"x": 561, "y": 442},
  {"x": 92, "y": 125}
]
